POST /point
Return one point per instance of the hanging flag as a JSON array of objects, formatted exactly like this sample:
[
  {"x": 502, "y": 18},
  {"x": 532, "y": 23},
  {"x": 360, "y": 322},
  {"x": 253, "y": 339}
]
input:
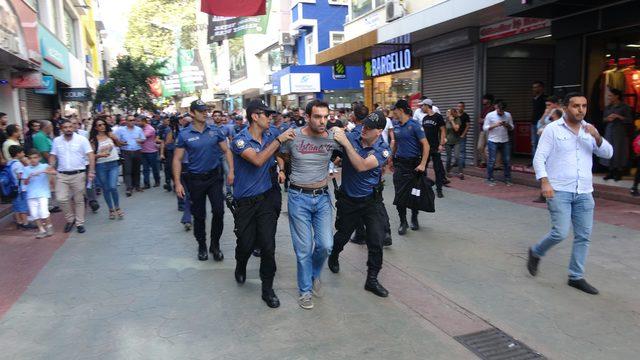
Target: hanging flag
[{"x": 234, "y": 7}]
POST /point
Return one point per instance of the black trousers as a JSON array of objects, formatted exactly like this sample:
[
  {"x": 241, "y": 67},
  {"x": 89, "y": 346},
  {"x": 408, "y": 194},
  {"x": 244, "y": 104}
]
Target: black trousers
[
  {"x": 371, "y": 212},
  {"x": 131, "y": 168},
  {"x": 360, "y": 231},
  {"x": 404, "y": 172},
  {"x": 201, "y": 187},
  {"x": 438, "y": 168},
  {"x": 168, "y": 158},
  {"x": 256, "y": 220}
]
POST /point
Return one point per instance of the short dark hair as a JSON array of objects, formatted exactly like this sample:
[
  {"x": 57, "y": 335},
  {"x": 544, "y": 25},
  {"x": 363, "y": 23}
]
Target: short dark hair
[
  {"x": 616, "y": 92},
  {"x": 360, "y": 111},
  {"x": 33, "y": 152},
  {"x": 217, "y": 111},
  {"x": 315, "y": 103},
  {"x": 12, "y": 129},
  {"x": 571, "y": 95},
  {"x": 489, "y": 97},
  {"x": 462, "y": 103},
  {"x": 2, "y": 114},
  {"x": 557, "y": 112},
  {"x": 501, "y": 104},
  {"x": 553, "y": 99},
  {"x": 15, "y": 150},
  {"x": 538, "y": 82}
]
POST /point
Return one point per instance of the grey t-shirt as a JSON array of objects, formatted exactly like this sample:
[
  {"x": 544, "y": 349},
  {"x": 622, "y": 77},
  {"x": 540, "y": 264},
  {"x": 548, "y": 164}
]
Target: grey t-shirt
[{"x": 310, "y": 157}]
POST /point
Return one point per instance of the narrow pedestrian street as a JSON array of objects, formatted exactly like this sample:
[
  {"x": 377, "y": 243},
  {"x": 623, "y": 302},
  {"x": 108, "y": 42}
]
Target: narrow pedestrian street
[{"x": 133, "y": 289}]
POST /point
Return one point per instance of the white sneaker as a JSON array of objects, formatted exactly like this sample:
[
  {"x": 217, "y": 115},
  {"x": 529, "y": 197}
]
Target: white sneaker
[
  {"x": 316, "y": 290},
  {"x": 305, "y": 301},
  {"x": 49, "y": 230}
]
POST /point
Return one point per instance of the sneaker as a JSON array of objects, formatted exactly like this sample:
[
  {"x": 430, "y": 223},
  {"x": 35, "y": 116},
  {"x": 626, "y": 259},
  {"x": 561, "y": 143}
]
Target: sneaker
[
  {"x": 490, "y": 182},
  {"x": 41, "y": 234},
  {"x": 49, "y": 230},
  {"x": 508, "y": 183},
  {"x": 305, "y": 301},
  {"x": 316, "y": 290}
]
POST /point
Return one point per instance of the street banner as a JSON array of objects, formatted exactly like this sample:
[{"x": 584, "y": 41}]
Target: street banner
[
  {"x": 221, "y": 28},
  {"x": 183, "y": 73},
  {"x": 234, "y": 7}
]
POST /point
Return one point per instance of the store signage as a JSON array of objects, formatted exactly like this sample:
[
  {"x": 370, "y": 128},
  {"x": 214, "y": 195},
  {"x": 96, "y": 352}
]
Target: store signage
[
  {"x": 512, "y": 27},
  {"x": 27, "y": 80},
  {"x": 49, "y": 86},
  {"x": 76, "y": 94},
  {"x": 305, "y": 82},
  {"x": 56, "y": 56},
  {"x": 388, "y": 64},
  {"x": 29, "y": 24},
  {"x": 11, "y": 38},
  {"x": 339, "y": 70}
]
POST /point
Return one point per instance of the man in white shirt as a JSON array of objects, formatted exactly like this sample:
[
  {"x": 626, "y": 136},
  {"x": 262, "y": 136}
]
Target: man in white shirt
[
  {"x": 419, "y": 113},
  {"x": 497, "y": 124},
  {"x": 69, "y": 155},
  {"x": 563, "y": 162}
]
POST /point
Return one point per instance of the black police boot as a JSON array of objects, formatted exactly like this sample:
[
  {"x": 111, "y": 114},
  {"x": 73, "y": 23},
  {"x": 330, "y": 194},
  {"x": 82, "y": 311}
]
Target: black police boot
[
  {"x": 334, "y": 264},
  {"x": 241, "y": 272},
  {"x": 374, "y": 286},
  {"x": 403, "y": 228},
  {"x": 387, "y": 239},
  {"x": 215, "y": 250},
  {"x": 202, "y": 252},
  {"x": 415, "y": 225},
  {"x": 439, "y": 193},
  {"x": 269, "y": 297},
  {"x": 358, "y": 237}
]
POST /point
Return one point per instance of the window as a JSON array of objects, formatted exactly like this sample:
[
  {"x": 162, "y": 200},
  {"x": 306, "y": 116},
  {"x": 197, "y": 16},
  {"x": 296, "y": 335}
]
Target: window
[
  {"x": 309, "y": 50},
  {"x": 361, "y": 7},
  {"x": 69, "y": 32},
  {"x": 339, "y": 2},
  {"x": 32, "y": 3},
  {"x": 335, "y": 38},
  {"x": 275, "y": 59}
]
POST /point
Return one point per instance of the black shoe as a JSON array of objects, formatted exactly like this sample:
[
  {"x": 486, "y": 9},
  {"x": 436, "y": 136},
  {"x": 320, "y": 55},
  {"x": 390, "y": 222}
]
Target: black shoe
[
  {"x": 55, "y": 209},
  {"x": 583, "y": 285},
  {"x": 202, "y": 253},
  {"x": 217, "y": 254},
  {"x": 81, "y": 229},
  {"x": 374, "y": 286},
  {"x": 334, "y": 264},
  {"x": 28, "y": 226},
  {"x": 387, "y": 240},
  {"x": 403, "y": 228},
  {"x": 270, "y": 298},
  {"x": 94, "y": 206},
  {"x": 257, "y": 252},
  {"x": 241, "y": 273},
  {"x": 439, "y": 193},
  {"x": 446, "y": 183},
  {"x": 358, "y": 240},
  {"x": 69, "y": 226},
  {"x": 128, "y": 193},
  {"x": 635, "y": 192},
  {"x": 98, "y": 192},
  {"x": 146, "y": 187},
  {"x": 167, "y": 187},
  {"x": 156, "y": 184},
  {"x": 532, "y": 263},
  {"x": 415, "y": 225}
]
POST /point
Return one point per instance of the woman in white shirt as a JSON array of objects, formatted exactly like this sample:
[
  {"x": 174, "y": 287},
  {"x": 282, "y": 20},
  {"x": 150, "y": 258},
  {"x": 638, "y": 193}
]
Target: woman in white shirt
[{"x": 105, "y": 146}]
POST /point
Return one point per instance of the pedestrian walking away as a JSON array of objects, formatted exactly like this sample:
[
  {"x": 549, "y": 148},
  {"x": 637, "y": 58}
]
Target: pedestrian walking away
[
  {"x": 309, "y": 202},
  {"x": 70, "y": 153},
  {"x": 149, "y": 150},
  {"x": 410, "y": 155},
  {"x": 255, "y": 212},
  {"x": 131, "y": 137},
  {"x": 203, "y": 145},
  {"x": 563, "y": 164},
  {"x": 359, "y": 198}
]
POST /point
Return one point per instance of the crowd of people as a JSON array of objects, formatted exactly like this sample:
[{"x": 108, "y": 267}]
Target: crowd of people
[{"x": 244, "y": 161}]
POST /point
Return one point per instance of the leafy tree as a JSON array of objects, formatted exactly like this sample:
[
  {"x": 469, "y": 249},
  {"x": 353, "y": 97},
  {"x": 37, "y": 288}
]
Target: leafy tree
[{"x": 128, "y": 85}]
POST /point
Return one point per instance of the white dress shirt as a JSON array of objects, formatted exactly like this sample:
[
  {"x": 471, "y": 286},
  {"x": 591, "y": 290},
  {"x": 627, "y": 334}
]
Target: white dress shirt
[
  {"x": 499, "y": 134},
  {"x": 385, "y": 132},
  {"x": 71, "y": 154},
  {"x": 566, "y": 158}
]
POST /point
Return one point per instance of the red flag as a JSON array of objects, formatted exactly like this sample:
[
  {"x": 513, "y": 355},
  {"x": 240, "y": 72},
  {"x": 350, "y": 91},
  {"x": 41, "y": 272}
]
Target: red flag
[{"x": 234, "y": 7}]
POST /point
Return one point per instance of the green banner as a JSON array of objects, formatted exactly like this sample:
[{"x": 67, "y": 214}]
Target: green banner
[{"x": 221, "y": 28}]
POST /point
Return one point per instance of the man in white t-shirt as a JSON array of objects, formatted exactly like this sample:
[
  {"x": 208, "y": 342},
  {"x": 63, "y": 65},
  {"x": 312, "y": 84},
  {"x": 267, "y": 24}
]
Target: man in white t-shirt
[
  {"x": 497, "y": 124},
  {"x": 418, "y": 114}
]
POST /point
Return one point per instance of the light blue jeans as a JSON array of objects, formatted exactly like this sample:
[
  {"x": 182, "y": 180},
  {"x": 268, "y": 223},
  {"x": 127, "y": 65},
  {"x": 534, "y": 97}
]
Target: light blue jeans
[
  {"x": 568, "y": 208},
  {"x": 310, "y": 222},
  {"x": 107, "y": 174}
]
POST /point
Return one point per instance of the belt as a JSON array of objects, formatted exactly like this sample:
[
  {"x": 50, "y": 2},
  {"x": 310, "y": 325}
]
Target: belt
[
  {"x": 202, "y": 175},
  {"x": 402, "y": 160},
  {"x": 314, "y": 192},
  {"x": 250, "y": 200},
  {"x": 74, "y": 172}
]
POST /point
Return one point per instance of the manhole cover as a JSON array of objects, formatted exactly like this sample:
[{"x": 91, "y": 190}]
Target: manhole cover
[{"x": 493, "y": 344}]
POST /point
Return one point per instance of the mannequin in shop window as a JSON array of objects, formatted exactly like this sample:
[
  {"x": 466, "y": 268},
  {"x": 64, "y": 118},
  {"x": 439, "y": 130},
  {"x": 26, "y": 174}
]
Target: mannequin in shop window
[{"x": 617, "y": 116}]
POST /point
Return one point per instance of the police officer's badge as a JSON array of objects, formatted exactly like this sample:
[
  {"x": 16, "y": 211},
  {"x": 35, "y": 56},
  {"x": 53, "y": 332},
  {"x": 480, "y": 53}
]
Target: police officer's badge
[
  {"x": 240, "y": 144},
  {"x": 385, "y": 153}
]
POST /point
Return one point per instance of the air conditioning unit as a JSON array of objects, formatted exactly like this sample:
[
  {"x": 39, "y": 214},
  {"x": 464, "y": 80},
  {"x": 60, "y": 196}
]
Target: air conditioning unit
[
  {"x": 394, "y": 10},
  {"x": 287, "y": 38}
]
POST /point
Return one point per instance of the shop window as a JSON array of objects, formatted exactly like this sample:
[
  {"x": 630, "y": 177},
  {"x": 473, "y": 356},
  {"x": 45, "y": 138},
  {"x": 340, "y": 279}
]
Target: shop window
[
  {"x": 309, "y": 50},
  {"x": 336, "y": 38},
  {"x": 69, "y": 33},
  {"x": 361, "y": 7},
  {"x": 338, "y": 2},
  {"x": 275, "y": 59}
]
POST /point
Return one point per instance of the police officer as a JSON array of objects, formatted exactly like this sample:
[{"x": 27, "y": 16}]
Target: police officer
[
  {"x": 359, "y": 199},
  {"x": 203, "y": 144},
  {"x": 410, "y": 154},
  {"x": 256, "y": 210}
]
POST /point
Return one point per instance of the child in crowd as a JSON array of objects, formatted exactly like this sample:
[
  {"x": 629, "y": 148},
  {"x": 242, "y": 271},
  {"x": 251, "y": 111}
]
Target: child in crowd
[
  {"x": 38, "y": 192},
  {"x": 16, "y": 168}
]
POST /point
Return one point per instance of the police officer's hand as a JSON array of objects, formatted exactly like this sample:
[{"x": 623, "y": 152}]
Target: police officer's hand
[
  {"x": 420, "y": 168},
  {"x": 286, "y": 136},
  {"x": 230, "y": 178},
  {"x": 180, "y": 190},
  {"x": 339, "y": 135}
]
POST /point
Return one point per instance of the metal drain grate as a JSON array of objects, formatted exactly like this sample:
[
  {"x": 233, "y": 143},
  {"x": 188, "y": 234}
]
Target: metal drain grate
[{"x": 493, "y": 344}]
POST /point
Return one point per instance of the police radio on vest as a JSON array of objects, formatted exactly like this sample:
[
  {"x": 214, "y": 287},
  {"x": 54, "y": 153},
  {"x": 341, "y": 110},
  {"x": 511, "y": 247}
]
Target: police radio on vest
[{"x": 391, "y": 63}]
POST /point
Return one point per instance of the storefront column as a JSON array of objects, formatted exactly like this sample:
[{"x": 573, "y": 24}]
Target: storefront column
[{"x": 9, "y": 101}]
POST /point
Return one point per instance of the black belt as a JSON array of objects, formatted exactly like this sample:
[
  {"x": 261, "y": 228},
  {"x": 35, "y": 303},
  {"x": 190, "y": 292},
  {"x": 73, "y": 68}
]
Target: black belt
[
  {"x": 74, "y": 172},
  {"x": 203, "y": 175},
  {"x": 250, "y": 200},
  {"x": 409, "y": 161},
  {"x": 314, "y": 192}
]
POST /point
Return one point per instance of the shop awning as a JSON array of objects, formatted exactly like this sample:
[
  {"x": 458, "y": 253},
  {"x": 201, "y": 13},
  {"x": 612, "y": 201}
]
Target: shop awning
[
  {"x": 351, "y": 52},
  {"x": 549, "y": 9}
]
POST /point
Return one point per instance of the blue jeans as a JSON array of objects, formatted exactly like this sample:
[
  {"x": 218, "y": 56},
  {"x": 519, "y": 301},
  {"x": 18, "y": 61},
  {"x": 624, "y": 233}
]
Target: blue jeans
[
  {"x": 310, "y": 222},
  {"x": 568, "y": 209},
  {"x": 534, "y": 138},
  {"x": 150, "y": 162},
  {"x": 505, "y": 149},
  {"x": 462, "y": 153},
  {"x": 107, "y": 175}
]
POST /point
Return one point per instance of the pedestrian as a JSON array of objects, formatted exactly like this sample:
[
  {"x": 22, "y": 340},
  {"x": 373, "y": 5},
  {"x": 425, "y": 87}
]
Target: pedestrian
[
  {"x": 131, "y": 137},
  {"x": 563, "y": 164},
  {"x": 618, "y": 116},
  {"x": 90, "y": 191},
  {"x": 226, "y": 132},
  {"x": 487, "y": 107},
  {"x": 453, "y": 126},
  {"x": 149, "y": 152},
  {"x": 34, "y": 128},
  {"x": 410, "y": 155},
  {"x": 19, "y": 203},
  {"x": 387, "y": 133},
  {"x": 359, "y": 199},
  {"x": 70, "y": 154},
  {"x": 309, "y": 202},
  {"x": 203, "y": 144},
  {"x": 538, "y": 106},
  {"x": 42, "y": 140},
  {"x": 465, "y": 120},
  {"x": 36, "y": 179},
  {"x": 256, "y": 213},
  {"x": 433, "y": 125},
  {"x": 167, "y": 148},
  {"x": 105, "y": 146},
  {"x": 360, "y": 112},
  {"x": 184, "y": 203},
  {"x": 497, "y": 124},
  {"x": 238, "y": 126},
  {"x": 420, "y": 112},
  {"x": 13, "y": 138}
]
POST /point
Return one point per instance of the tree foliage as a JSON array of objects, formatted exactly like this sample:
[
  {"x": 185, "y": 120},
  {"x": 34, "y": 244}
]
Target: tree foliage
[
  {"x": 128, "y": 85},
  {"x": 154, "y": 25}
]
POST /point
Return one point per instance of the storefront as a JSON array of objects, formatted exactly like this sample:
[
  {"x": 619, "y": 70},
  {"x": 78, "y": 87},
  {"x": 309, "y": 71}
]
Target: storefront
[{"x": 393, "y": 75}]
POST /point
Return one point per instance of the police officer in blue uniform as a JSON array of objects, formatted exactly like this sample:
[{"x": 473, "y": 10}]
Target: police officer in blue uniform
[
  {"x": 410, "y": 155},
  {"x": 204, "y": 179},
  {"x": 359, "y": 199},
  {"x": 256, "y": 209}
]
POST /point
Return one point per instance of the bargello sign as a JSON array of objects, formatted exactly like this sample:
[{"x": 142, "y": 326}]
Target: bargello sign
[{"x": 394, "y": 62}]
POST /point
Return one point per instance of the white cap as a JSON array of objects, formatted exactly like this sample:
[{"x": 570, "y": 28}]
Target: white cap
[{"x": 426, "y": 102}]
